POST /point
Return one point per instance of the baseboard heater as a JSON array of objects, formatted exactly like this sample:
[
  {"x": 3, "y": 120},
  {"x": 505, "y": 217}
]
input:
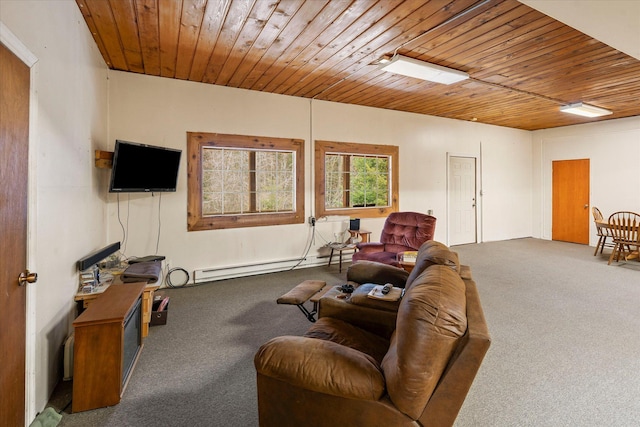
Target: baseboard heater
[{"x": 241, "y": 270}]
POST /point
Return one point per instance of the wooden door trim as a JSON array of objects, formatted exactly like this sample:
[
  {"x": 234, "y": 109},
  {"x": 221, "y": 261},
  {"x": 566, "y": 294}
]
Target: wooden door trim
[{"x": 19, "y": 49}]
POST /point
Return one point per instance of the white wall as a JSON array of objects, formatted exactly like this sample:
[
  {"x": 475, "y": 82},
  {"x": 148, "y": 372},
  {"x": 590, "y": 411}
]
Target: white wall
[
  {"x": 614, "y": 22},
  {"x": 613, "y": 148},
  {"x": 504, "y": 163},
  {"x": 69, "y": 122},
  {"x": 161, "y": 111}
]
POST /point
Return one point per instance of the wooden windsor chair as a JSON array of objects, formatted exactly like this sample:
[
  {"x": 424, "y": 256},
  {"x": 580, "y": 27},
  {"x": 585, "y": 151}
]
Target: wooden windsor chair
[
  {"x": 624, "y": 230},
  {"x": 602, "y": 230}
]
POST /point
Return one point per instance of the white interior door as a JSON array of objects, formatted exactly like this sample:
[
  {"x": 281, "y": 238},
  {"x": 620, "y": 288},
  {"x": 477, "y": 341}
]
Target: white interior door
[{"x": 462, "y": 200}]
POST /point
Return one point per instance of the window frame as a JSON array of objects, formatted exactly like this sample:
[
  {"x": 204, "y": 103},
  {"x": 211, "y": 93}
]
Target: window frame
[
  {"x": 323, "y": 147},
  {"x": 195, "y": 143}
]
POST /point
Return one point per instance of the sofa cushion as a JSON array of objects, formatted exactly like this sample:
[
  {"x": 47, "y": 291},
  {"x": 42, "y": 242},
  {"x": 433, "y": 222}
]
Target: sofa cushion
[
  {"x": 380, "y": 257},
  {"x": 343, "y": 333},
  {"x": 432, "y": 253},
  {"x": 431, "y": 319},
  {"x": 403, "y": 230},
  {"x": 360, "y": 296},
  {"x": 321, "y": 366},
  {"x": 376, "y": 272}
]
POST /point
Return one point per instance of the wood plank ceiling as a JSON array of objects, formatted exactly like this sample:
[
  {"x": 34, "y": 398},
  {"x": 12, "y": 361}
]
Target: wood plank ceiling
[{"x": 523, "y": 65}]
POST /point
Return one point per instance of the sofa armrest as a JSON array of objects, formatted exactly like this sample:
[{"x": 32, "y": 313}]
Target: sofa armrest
[
  {"x": 465, "y": 272},
  {"x": 370, "y": 247},
  {"x": 321, "y": 366},
  {"x": 372, "y": 319}
]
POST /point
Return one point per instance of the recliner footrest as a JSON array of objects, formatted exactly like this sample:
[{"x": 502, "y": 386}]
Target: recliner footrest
[{"x": 303, "y": 292}]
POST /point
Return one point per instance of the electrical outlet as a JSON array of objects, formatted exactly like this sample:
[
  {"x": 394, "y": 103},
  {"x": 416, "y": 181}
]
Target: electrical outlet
[{"x": 312, "y": 220}]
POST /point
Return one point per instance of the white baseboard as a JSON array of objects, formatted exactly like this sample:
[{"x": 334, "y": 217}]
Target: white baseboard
[{"x": 242, "y": 270}]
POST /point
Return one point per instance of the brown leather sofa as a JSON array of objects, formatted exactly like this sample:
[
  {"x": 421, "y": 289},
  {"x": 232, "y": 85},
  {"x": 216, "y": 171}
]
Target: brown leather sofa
[
  {"x": 408, "y": 365},
  {"x": 376, "y": 316},
  {"x": 401, "y": 232}
]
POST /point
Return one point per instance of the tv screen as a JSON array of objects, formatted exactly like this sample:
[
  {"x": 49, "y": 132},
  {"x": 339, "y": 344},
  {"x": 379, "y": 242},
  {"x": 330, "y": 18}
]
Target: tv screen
[{"x": 143, "y": 168}]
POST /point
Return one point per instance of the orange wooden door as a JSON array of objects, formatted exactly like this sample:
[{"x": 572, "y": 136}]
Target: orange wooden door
[
  {"x": 14, "y": 148},
  {"x": 570, "y": 218}
]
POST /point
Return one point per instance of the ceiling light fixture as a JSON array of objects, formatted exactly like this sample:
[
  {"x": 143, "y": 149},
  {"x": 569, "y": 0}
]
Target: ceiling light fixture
[
  {"x": 410, "y": 67},
  {"x": 585, "y": 110}
]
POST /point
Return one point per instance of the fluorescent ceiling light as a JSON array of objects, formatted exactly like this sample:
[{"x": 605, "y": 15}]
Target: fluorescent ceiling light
[
  {"x": 585, "y": 110},
  {"x": 422, "y": 70}
]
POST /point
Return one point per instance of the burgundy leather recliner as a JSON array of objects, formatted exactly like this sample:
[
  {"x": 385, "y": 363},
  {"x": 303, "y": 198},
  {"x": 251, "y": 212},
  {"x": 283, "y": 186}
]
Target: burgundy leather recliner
[{"x": 402, "y": 231}]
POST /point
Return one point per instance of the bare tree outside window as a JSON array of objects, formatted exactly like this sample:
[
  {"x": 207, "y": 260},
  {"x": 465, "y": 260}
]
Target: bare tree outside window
[{"x": 244, "y": 181}]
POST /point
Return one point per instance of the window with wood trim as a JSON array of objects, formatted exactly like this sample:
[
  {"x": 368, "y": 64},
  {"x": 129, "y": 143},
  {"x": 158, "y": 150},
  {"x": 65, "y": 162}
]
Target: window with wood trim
[
  {"x": 244, "y": 181},
  {"x": 353, "y": 179}
]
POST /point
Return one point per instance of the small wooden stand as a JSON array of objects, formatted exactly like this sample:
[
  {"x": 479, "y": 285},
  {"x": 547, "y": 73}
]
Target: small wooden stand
[
  {"x": 361, "y": 233},
  {"x": 340, "y": 247}
]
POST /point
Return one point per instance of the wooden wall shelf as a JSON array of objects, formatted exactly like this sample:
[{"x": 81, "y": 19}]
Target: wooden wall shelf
[{"x": 104, "y": 159}]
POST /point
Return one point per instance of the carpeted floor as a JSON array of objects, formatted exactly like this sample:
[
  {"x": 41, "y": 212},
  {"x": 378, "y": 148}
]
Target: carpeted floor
[{"x": 565, "y": 351}]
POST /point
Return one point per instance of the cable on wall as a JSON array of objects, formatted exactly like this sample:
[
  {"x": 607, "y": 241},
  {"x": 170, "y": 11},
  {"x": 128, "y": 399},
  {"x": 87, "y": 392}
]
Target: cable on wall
[
  {"x": 311, "y": 174},
  {"x": 481, "y": 199},
  {"x": 159, "y": 223},
  {"x": 310, "y": 239},
  {"x": 125, "y": 232},
  {"x": 312, "y": 232}
]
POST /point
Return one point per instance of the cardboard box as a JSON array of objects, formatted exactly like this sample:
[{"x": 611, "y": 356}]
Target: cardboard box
[{"x": 159, "y": 317}]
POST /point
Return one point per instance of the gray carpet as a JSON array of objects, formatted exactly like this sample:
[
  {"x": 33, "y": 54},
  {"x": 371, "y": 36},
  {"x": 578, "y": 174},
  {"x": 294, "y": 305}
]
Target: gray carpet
[
  {"x": 565, "y": 328},
  {"x": 565, "y": 352}
]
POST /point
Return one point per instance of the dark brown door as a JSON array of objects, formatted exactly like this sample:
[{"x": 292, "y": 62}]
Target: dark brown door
[
  {"x": 570, "y": 219},
  {"x": 14, "y": 144}
]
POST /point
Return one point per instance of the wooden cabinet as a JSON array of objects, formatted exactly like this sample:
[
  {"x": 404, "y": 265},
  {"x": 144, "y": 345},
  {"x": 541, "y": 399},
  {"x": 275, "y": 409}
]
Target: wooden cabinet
[
  {"x": 147, "y": 307},
  {"x": 84, "y": 300},
  {"x": 108, "y": 341}
]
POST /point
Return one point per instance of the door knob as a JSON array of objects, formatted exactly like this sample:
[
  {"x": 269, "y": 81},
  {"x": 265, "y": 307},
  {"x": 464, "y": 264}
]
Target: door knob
[
  {"x": 586, "y": 206},
  {"x": 27, "y": 277}
]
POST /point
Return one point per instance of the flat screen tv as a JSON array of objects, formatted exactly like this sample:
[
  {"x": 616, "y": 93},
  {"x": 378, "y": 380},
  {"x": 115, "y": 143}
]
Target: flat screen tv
[{"x": 143, "y": 168}]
